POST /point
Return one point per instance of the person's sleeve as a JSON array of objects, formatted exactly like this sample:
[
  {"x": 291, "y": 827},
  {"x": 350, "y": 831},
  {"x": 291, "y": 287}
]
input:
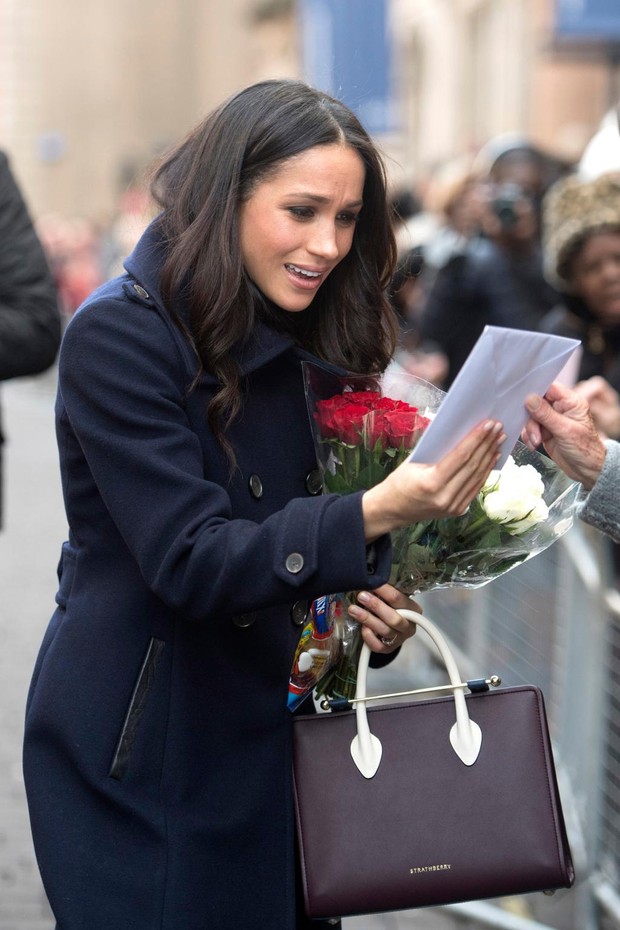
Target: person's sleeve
[
  {"x": 601, "y": 507},
  {"x": 122, "y": 390},
  {"x": 29, "y": 314}
]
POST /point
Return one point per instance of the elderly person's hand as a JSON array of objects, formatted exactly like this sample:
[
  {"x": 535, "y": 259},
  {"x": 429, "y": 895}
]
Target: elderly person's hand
[
  {"x": 383, "y": 629},
  {"x": 562, "y": 422}
]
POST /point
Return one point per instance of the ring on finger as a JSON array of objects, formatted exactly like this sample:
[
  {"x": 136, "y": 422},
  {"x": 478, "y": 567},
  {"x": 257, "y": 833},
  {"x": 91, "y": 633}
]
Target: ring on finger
[{"x": 389, "y": 642}]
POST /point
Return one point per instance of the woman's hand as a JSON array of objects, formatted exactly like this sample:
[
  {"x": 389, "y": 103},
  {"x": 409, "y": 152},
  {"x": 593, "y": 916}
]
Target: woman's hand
[
  {"x": 415, "y": 492},
  {"x": 383, "y": 629}
]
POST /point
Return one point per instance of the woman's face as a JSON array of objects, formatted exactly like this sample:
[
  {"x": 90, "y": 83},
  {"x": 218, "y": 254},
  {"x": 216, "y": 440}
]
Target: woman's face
[
  {"x": 299, "y": 223},
  {"x": 595, "y": 275}
]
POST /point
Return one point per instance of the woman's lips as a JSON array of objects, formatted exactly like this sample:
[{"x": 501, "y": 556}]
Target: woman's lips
[{"x": 304, "y": 277}]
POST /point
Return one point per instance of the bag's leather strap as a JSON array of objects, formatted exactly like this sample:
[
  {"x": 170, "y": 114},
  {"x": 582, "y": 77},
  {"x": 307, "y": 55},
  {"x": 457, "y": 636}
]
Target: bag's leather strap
[{"x": 465, "y": 736}]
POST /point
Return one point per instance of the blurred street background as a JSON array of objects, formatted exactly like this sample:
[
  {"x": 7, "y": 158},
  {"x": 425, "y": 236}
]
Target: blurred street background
[{"x": 92, "y": 92}]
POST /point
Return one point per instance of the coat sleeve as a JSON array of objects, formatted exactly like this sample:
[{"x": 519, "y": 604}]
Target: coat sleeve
[
  {"x": 29, "y": 314},
  {"x": 122, "y": 387},
  {"x": 601, "y": 507}
]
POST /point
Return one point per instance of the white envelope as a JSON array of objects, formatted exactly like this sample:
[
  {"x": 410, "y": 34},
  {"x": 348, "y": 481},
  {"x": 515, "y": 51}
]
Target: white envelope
[{"x": 504, "y": 366}]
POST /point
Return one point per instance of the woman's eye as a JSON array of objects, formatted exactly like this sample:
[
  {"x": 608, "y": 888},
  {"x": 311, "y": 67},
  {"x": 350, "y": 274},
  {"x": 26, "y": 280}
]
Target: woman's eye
[
  {"x": 302, "y": 213},
  {"x": 348, "y": 219}
]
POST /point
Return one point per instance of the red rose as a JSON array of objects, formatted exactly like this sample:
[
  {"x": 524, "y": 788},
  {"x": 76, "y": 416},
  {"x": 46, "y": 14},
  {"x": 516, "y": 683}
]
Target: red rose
[
  {"x": 376, "y": 429},
  {"x": 385, "y": 404},
  {"x": 348, "y": 422},
  {"x": 404, "y": 427},
  {"x": 369, "y": 398},
  {"x": 324, "y": 416}
]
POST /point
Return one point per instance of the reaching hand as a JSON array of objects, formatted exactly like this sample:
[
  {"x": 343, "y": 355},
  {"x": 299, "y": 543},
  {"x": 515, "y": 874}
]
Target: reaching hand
[{"x": 562, "y": 422}]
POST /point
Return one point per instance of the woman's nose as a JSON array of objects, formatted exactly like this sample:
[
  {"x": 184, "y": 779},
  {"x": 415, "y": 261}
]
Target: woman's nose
[{"x": 323, "y": 241}]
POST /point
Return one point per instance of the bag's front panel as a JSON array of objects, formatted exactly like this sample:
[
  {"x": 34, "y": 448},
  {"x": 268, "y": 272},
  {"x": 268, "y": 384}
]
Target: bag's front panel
[{"x": 427, "y": 829}]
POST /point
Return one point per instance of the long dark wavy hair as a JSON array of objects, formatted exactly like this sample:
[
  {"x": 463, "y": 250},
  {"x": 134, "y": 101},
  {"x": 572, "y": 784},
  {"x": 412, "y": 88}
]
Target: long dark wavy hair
[{"x": 200, "y": 186}]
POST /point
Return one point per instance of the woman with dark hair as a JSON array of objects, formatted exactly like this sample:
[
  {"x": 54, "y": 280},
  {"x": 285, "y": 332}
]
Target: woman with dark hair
[{"x": 158, "y": 741}]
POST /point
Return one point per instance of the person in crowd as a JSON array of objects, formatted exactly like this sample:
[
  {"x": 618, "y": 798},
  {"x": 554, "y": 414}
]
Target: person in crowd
[
  {"x": 406, "y": 208},
  {"x": 581, "y": 239},
  {"x": 495, "y": 277},
  {"x": 157, "y": 753},
  {"x": 562, "y": 422},
  {"x": 405, "y": 292},
  {"x": 29, "y": 312},
  {"x": 454, "y": 195}
]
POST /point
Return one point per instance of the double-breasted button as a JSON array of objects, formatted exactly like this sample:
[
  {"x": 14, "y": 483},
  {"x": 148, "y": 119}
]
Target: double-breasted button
[
  {"x": 256, "y": 487},
  {"x": 314, "y": 485},
  {"x": 245, "y": 620},
  {"x": 294, "y": 562},
  {"x": 299, "y": 612}
]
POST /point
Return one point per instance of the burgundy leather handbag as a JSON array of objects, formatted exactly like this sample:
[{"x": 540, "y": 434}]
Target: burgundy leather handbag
[{"x": 428, "y": 802}]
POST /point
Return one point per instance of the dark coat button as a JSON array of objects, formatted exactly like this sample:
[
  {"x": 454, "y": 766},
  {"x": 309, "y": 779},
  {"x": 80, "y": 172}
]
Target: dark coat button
[
  {"x": 256, "y": 487},
  {"x": 244, "y": 620},
  {"x": 140, "y": 291},
  {"x": 299, "y": 612},
  {"x": 314, "y": 485},
  {"x": 294, "y": 562}
]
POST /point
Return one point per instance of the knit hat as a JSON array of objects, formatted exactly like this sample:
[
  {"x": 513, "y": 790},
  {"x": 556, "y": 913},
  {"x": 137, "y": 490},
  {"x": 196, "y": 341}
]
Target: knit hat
[{"x": 573, "y": 210}]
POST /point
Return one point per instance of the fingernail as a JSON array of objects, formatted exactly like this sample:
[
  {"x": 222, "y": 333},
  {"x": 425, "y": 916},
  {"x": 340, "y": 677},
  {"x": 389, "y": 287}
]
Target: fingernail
[
  {"x": 355, "y": 611},
  {"x": 363, "y": 596},
  {"x": 489, "y": 425}
]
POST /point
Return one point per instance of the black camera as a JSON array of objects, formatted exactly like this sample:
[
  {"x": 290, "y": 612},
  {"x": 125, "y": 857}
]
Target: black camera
[{"x": 504, "y": 202}]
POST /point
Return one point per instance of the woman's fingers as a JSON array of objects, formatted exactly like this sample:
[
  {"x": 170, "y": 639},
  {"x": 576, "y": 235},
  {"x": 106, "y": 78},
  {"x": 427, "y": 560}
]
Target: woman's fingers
[
  {"x": 383, "y": 628},
  {"x": 416, "y": 491},
  {"x": 464, "y": 470}
]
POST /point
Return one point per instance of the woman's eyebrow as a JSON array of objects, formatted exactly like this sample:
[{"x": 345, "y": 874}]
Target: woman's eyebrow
[{"x": 318, "y": 198}]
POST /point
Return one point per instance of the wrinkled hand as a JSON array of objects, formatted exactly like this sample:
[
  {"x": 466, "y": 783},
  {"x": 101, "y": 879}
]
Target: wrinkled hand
[
  {"x": 604, "y": 403},
  {"x": 415, "y": 492},
  {"x": 562, "y": 422},
  {"x": 383, "y": 629}
]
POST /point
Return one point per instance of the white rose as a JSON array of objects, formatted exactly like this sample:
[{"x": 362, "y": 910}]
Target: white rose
[{"x": 513, "y": 497}]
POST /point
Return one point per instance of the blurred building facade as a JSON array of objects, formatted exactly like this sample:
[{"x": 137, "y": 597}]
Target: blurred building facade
[{"x": 91, "y": 91}]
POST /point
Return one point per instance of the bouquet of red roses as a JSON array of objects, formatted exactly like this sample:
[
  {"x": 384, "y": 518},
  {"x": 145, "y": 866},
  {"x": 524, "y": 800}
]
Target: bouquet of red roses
[{"x": 361, "y": 435}]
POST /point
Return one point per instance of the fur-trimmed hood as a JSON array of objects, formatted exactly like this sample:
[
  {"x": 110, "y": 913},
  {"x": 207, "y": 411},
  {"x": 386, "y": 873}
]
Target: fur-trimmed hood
[{"x": 573, "y": 210}]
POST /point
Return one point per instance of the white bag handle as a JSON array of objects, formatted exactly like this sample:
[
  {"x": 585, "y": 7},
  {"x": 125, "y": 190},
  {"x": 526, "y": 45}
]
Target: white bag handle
[{"x": 465, "y": 736}]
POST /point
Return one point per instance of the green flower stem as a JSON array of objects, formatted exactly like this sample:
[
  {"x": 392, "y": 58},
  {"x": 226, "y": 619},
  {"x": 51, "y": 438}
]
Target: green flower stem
[{"x": 472, "y": 530}]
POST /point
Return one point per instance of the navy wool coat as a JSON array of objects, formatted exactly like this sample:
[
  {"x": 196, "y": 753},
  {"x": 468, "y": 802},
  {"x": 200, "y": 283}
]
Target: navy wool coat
[{"x": 157, "y": 751}]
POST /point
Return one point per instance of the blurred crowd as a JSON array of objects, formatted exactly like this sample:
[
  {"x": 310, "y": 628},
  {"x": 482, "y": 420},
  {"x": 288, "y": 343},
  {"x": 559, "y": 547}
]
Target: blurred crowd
[
  {"x": 515, "y": 237},
  {"x": 83, "y": 252}
]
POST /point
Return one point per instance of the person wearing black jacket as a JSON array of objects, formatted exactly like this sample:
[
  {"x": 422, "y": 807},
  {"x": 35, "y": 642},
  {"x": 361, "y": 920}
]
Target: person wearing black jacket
[
  {"x": 29, "y": 315},
  {"x": 494, "y": 277}
]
